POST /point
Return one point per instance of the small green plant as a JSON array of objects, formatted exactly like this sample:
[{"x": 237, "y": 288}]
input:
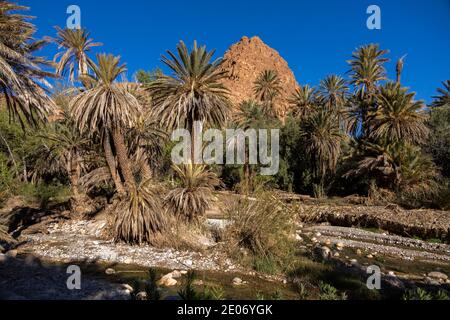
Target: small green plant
[
  {"x": 417, "y": 294},
  {"x": 421, "y": 294},
  {"x": 277, "y": 295},
  {"x": 151, "y": 287},
  {"x": 214, "y": 292},
  {"x": 328, "y": 292},
  {"x": 302, "y": 291},
  {"x": 188, "y": 292},
  {"x": 442, "y": 295}
]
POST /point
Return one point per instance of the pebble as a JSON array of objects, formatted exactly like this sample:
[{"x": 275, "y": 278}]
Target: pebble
[
  {"x": 176, "y": 274},
  {"x": 369, "y": 256},
  {"x": 12, "y": 253},
  {"x": 141, "y": 295},
  {"x": 197, "y": 282},
  {"x": 298, "y": 238},
  {"x": 339, "y": 246},
  {"x": 323, "y": 253},
  {"x": 167, "y": 281},
  {"x": 328, "y": 242},
  {"x": 183, "y": 271},
  {"x": 188, "y": 263},
  {"x": 318, "y": 234},
  {"x": 110, "y": 271},
  {"x": 127, "y": 287},
  {"x": 237, "y": 281},
  {"x": 353, "y": 262},
  {"x": 358, "y": 252},
  {"x": 391, "y": 273},
  {"x": 336, "y": 254}
]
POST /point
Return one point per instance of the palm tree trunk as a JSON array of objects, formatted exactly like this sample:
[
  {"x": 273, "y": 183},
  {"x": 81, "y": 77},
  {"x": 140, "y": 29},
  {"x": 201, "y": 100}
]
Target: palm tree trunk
[
  {"x": 112, "y": 163},
  {"x": 122, "y": 157},
  {"x": 74, "y": 177}
]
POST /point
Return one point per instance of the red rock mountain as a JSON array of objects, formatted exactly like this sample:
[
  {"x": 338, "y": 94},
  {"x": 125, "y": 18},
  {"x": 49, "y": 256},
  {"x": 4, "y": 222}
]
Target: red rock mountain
[{"x": 245, "y": 61}]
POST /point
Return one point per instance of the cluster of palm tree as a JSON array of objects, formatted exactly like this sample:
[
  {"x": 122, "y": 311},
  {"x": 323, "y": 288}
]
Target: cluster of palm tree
[
  {"x": 379, "y": 121},
  {"x": 111, "y": 134},
  {"x": 110, "y": 131}
]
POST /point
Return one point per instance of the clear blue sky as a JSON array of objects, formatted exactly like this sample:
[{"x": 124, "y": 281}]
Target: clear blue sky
[{"x": 316, "y": 37}]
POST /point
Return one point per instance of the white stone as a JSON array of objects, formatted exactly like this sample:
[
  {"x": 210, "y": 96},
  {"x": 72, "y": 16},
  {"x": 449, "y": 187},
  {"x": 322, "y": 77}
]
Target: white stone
[{"x": 237, "y": 281}]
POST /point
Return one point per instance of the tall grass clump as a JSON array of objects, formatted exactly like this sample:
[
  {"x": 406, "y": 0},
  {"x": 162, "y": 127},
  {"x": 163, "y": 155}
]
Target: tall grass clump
[{"x": 260, "y": 233}]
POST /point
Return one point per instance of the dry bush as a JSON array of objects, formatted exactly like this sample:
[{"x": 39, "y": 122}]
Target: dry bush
[
  {"x": 194, "y": 193},
  {"x": 379, "y": 196},
  {"x": 260, "y": 230}
]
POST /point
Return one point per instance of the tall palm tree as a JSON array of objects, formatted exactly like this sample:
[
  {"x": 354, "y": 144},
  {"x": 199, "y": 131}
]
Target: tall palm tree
[
  {"x": 22, "y": 81},
  {"x": 333, "y": 92},
  {"x": 75, "y": 45},
  {"x": 366, "y": 71},
  {"x": 193, "y": 92},
  {"x": 323, "y": 139},
  {"x": 332, "y": 95},
  {"x": 266, "y": 88},
  {"x": 398, "y": 116},
  {"x": 65, "y": 150},
  {"x": 443, "y": 97},
  {"x": 108, "y": 110},
  {"x": 147, "y": 139},
  {"x": 251, "y": 115},
  {"x": 303, "y": 101}
]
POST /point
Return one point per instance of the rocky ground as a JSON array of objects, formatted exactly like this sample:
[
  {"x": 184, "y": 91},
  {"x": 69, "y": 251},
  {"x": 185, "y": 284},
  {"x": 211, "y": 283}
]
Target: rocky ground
[
  {"x": 81, "y": 241},
  {"x": 426, "y": 224},
  {"x": 404, "y": 261}
]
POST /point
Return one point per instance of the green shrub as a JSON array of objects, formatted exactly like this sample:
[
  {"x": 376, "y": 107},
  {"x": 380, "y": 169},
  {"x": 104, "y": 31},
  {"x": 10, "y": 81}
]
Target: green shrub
[
  {"x": 421, "y": 294},
  {"x": 328, "y": 292}
]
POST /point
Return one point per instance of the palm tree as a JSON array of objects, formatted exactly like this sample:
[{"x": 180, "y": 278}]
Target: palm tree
[
  {"x": 323, "y": 139},
  {"x": 108, "y": 110},
  {"x": 366, "y": 71},
  {"x": 397, "y": 165},
  {"x": 333, "y": 92},
  {"x": 443, "y": 97},
  {"x": 76, "y": 45},
  {"x": 21, "y": 76},
  {"x": 251, "y": 115},
  {"x": 303, "y": 101},
  {"x": 147, "y": 139},
  {"x": 192, "y": 197},
  {"x": 398, "y": 116},
  {"x": 332, "y": 95},
  {"x": 193, "y": 92},
  {"x": 266, "y": 88}
]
